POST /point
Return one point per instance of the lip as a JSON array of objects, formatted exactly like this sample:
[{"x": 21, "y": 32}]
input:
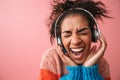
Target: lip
[{"x": 77, "y": 55}]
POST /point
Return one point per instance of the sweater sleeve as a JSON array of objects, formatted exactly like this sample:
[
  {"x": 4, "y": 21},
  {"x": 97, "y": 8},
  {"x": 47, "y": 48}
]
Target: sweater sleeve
[
  {"x": 91, "y": 73},
  {"x": 74, "y": 73},
  {"x": 48, "y": 68}
]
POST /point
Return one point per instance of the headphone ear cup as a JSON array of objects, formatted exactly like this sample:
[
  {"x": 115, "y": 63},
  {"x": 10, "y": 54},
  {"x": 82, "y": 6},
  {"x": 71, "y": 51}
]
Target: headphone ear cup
[
  {"x": 95, "y": 35},
  {"x": 59, "y": 41}
]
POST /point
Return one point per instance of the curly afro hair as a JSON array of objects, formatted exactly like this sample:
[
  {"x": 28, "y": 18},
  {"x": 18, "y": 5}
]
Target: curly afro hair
[{"x": 97, "y": 9}]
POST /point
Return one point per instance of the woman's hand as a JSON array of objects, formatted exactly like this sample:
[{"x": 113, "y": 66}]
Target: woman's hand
[
  {"x": 96, "y": 55},
  {"x": 65, "y": 58}
]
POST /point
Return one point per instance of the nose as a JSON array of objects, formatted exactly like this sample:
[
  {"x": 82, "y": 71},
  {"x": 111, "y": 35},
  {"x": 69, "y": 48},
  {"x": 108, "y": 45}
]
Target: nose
[{"x": 76, "y": 40}]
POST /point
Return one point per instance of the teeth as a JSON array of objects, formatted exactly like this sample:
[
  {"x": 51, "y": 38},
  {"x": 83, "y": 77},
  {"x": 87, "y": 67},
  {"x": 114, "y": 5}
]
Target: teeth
[{"x": 77, "y": 50}]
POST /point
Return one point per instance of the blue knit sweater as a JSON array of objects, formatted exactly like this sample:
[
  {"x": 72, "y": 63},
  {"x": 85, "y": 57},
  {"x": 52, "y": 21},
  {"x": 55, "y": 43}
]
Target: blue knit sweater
[{"x": 82, "y": 73}]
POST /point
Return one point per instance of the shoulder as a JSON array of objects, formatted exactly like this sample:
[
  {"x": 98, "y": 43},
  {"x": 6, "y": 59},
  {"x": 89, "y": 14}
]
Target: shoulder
[
  {"x": 50, "y": 60},
  {"x": 50, "y": 57},
  {"x": 104, "y": 67},
  {"x": 103, "y": 62},
  {"x": 51, "y": 53}
]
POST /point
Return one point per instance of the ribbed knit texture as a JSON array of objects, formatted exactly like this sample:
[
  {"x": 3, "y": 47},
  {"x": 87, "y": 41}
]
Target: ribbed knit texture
[
  {"x": 74, "y": 73},
  {"x": 91, "y": 73},
  {"x": 82, "y": 73}
]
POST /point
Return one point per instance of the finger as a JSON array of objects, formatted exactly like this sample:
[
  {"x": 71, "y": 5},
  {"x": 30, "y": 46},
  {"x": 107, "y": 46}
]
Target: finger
[
  {"x": 93, "y": 57},
  {"x": 61, "y": 54},
  {"x": 65, "y": 58},
  {"x": 103, "y": 43},
  {"x": 93, "y": 49},
  {"x": 102, "y": 38},
  {"x": 92, "y": 52}
]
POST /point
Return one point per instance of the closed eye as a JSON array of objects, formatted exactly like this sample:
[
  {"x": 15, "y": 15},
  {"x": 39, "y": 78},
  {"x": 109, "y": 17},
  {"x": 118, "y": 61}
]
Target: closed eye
[
  {"x": 83, "y": 31},
  {"x": 66, "y": 33}
]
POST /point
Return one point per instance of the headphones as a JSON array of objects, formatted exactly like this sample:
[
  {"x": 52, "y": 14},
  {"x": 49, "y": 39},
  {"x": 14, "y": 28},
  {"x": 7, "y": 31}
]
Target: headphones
[{"x": 95, "y": 31}]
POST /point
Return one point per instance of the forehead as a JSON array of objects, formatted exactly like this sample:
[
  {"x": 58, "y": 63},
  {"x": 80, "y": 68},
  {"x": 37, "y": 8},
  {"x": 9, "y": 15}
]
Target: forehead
[{"x": 74, "y": 20}]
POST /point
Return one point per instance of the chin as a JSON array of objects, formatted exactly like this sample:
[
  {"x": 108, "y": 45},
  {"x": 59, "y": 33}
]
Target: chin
[{"x": 79, "y": 62}]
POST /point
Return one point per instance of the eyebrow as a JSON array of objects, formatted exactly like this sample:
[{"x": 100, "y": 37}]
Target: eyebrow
[
  {"x": 83, "y": 29},
  {"x": 67, "y": 31}
]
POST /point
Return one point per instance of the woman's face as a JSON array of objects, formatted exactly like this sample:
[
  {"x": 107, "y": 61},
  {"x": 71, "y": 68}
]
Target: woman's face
[{"x": 76, "y": 37}]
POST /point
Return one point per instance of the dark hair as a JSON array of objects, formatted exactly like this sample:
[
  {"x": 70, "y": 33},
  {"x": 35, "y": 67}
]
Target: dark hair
[{"x": 97, "y": 9}]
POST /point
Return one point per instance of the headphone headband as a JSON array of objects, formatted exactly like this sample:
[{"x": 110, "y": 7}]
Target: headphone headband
[{"x": 82, "y": 9}]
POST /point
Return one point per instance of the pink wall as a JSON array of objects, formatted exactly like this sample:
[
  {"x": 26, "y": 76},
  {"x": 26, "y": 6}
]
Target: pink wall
[{"x": 24, "y": 37}]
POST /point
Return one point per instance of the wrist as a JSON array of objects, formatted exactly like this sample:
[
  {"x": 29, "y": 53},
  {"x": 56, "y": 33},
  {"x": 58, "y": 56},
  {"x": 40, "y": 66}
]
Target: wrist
[
  {"x": 91, "y": 73},
  {"x": 74, "y": 73}
]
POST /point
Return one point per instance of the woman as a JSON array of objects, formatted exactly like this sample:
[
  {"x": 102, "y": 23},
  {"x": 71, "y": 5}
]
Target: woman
[{"x": 75, "y": 28}]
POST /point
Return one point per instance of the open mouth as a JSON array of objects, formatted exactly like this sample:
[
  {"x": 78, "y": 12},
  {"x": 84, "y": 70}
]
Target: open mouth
[{"x": 77, "y": 52}]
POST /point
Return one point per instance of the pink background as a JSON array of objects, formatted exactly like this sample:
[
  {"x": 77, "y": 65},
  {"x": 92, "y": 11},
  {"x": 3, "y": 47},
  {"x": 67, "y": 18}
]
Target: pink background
[{"x": 24, "y": 38}]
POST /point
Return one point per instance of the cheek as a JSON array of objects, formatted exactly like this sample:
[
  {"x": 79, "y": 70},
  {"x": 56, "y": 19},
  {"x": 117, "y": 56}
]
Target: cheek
[
  {"x": 87, "y": 39},
  {"x": 65, "y": 42}
]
